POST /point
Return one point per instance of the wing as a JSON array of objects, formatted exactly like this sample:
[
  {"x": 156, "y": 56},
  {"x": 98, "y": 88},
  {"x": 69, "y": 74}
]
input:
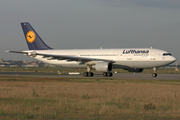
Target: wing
[
  {"x": 63, "y": 57},
  {"x": 73, "y": 58}
]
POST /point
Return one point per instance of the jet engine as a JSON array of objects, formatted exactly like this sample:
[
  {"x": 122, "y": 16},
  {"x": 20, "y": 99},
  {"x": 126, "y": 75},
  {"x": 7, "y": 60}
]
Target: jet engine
[
  {"x": 134, "y": 70},
  {"x": 103, "y": 67}
]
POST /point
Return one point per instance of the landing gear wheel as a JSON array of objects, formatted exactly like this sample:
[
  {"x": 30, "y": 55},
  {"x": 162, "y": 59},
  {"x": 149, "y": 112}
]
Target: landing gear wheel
[
  {"x": 110, "y": 74},
  {"x": 90, "y": 74},
  {"x": 85, "y": 74},
  {"x": 154, "y": 74},
  {"x": 105, "y": 74}
]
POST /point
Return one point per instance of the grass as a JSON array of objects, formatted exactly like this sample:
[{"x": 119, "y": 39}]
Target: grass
[{"x": 88, "y": 98}]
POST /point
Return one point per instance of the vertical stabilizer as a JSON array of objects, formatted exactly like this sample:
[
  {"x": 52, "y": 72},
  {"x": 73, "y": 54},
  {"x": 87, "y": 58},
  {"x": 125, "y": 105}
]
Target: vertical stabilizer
[{"x": 32, "y": 38}]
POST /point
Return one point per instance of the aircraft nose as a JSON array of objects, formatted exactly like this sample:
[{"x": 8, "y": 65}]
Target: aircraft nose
[{"x": 173, "y": 59}]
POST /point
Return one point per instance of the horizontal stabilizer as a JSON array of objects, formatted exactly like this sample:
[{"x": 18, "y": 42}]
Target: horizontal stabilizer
[{"x": 20, "y": 52}]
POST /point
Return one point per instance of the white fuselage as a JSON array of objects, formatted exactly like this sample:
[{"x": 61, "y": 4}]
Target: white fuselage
[{"x": 124, "y": 58}]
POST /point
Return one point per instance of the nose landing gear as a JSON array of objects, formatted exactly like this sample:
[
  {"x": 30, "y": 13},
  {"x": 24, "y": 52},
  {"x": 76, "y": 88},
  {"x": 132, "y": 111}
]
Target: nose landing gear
[{"x": 155, "y": 70}]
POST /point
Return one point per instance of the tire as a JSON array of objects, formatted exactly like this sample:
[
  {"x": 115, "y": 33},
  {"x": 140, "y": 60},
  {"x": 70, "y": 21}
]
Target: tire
[
  {"x": 90, "y": 74},
  {"x": 154, "y": 74},
  {"x": 105, "y": 74},
  {"x": 109, "y": 74},
  {"x": 85, "y": 74}
]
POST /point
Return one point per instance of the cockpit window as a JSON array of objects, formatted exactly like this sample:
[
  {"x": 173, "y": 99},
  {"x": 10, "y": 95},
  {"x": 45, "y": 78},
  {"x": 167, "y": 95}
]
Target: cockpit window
[{"x": 167, "y": 54}]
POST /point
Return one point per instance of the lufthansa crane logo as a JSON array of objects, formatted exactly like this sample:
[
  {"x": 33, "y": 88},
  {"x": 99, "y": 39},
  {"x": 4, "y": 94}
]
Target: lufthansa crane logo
[{"x": 30, "y": 36}]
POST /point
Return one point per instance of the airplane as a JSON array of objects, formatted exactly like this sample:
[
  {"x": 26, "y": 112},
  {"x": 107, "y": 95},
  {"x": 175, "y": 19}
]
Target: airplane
[{"x": 102, "y": 60}]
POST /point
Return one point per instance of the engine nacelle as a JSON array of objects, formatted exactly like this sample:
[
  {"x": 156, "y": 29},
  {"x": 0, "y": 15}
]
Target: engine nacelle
[
  {"x": 134, "y": 70},
  {"x": 103, "y": 67}
]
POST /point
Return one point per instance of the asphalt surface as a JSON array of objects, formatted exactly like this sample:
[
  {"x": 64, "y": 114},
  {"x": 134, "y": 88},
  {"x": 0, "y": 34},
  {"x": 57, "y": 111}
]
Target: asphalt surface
[{"x": 140, "y": 76}]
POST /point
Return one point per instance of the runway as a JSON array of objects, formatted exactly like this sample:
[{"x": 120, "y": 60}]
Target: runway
[{"x": 140, "y": 76}]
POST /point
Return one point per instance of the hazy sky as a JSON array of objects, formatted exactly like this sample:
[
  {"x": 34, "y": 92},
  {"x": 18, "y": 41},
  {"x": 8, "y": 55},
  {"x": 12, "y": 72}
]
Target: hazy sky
[{"x": 65, "y": 24}]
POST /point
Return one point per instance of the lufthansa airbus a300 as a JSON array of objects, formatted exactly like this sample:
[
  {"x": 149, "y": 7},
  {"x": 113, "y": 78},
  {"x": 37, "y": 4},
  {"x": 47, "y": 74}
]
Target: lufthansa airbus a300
[{"x": 102, "y": 60}]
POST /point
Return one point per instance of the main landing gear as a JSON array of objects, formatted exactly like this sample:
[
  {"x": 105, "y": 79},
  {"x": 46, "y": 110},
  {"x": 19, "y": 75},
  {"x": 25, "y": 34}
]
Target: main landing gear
[
  {"x": 90, "y": 74},
  {"x": 155, "y": 70},
  {"x": 105, "y": 74}
]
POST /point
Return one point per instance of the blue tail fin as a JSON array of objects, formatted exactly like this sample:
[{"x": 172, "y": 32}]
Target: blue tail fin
[{"x": 32, "y": 38}]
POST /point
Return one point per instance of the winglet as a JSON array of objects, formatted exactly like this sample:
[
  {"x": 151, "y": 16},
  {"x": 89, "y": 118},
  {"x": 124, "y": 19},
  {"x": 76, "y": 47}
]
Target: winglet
[{"x": 33, "y": 40}]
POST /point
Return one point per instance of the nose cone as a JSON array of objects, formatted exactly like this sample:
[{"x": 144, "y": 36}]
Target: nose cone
[
  {"x": 168, "y": 60},
  {"x": 172, "y": 59}
]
